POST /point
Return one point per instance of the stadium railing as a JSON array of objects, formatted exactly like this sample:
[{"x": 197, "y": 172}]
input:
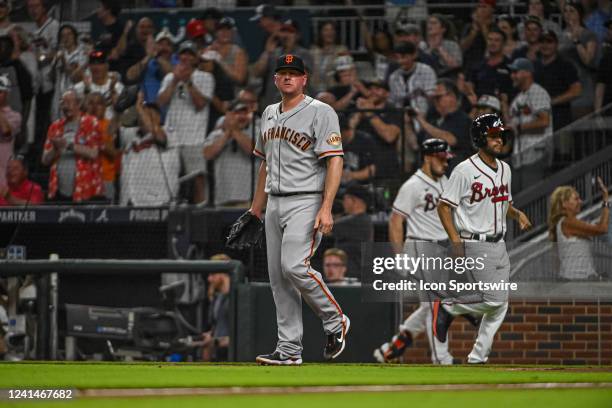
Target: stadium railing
[{"x": 582, "y": 152}]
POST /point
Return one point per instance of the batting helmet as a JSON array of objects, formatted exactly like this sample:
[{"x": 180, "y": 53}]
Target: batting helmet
[
  {"x": 436, "y": 146},
  {"x": 487, "y": 124}
]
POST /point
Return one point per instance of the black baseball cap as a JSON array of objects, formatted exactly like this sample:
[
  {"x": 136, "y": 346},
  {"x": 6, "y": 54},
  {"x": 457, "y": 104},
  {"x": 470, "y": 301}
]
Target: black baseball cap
[
  {"x": 188, "y": 46},
  {"x": 549, "y": 34},
  {"x": 226, "y": 22},
  {"x": 534, "y": 20},
  {"x": 377, "y": 83},
  {"x": 359, "y": 191},
  {"x": 521, "y": 64},
  {"x": 97, "y": 56},
  {"x": 265, "y": 10},
  {"x": 405, "y": 48},
  {"x": 212, "y": 13},
  {"x": 290, "y": 61}
]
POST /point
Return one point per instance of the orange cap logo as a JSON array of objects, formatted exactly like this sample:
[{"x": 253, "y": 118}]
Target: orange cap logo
[{"x": 288, "y": 59}]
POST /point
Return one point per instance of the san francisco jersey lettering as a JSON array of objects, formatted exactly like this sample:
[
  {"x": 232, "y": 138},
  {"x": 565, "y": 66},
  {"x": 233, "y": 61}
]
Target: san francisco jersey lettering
[{"x": 293, "y": 143}]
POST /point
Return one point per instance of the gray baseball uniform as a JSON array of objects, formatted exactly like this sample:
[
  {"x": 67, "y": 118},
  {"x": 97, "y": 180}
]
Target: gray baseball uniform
[{"x": 293, "y": 143}]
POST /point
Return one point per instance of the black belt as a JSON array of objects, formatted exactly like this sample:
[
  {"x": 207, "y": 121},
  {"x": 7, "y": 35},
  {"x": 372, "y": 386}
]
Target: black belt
[
  {"x": 481, "y": 237},
  {"x": 294, "y": 193}
]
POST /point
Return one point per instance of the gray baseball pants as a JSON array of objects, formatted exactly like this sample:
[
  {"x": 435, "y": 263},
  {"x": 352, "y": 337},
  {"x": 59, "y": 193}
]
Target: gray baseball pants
[
  {"x": 291, "y": 242},
  {"x": 420, "y": 320},
  {"x": 494, "y": 306}
]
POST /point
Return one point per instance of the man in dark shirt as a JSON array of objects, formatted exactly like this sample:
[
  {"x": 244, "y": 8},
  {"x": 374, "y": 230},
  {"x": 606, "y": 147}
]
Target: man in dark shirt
[
  {"x": 447, "y": 121},
  {"x": 22, "y": 93},
  {"x": 224, "y": 87},
  {"x": 533, "y": 34},
  {"x": 358, "y": 153},
  {"x": 349, "y": 86},
  {"x": 140, "y": 38},
  {"x": 383, "y": 127},
  {"x": 492, "y": 75},
  {"x": 474, "y": 38},
  {"x": 108, "y": 14},
  {"x": 411, "y": 33},
  {"x": 560, "y": 79},
  {"x": 603, "y": 88},
  {"x": 355, "y": 227}
]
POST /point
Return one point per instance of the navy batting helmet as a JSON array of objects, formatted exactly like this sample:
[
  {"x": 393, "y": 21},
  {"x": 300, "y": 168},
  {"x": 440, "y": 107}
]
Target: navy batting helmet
[
  {"x": 436, "y": 146},
  {"x": 487, "y": 124}
]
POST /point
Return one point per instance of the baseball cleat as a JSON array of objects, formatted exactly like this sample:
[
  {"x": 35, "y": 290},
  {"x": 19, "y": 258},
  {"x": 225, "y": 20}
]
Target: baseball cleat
[
  {"x": 379, "y": 353},
  {"x": 277, "y": 358},
  {"x": 337, "y": 341},
  {"x": 390, "y": 352},
  {"x": 441, "y": 321}
]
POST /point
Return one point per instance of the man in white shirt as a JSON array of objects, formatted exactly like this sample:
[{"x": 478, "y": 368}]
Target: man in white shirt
[
  {"x": 412, "y": 81},
  {"x": 99, "y": 79},
  {"x": 415, "y": 206},
  {"x": 187, "y": 93},
  {"x": 473, "y": 210},
  {"x": 531, "y": 117},
  {"x": 45, "y": 43},
  {"x": 230, "y": 147}
]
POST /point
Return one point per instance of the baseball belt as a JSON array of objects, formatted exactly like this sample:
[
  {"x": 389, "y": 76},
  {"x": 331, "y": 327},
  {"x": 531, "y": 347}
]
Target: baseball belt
[
  {"x": 481, "y": 237},
  {"x": 294, "y": 193}
]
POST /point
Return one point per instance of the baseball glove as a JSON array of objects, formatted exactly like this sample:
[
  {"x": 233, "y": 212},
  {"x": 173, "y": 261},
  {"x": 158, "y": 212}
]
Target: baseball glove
[{"x": 246, "y": 232}]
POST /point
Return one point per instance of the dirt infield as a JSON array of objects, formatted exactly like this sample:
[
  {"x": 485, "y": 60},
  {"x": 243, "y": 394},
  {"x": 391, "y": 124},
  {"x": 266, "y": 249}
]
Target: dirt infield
[{"x": 173, "y": 392}]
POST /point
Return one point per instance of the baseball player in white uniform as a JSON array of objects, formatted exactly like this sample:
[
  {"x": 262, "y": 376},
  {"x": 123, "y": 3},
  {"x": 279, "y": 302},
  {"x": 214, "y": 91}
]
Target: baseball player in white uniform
[
  {"x": 473, "y": 211},
  {"x": 416, "y": 205},
  {"x": 301, "y": 147}
]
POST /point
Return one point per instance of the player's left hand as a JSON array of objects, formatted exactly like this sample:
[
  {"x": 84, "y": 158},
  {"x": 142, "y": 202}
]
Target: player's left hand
[
  {"x": 524, "y": 223},
  {"x": 324, "y": 221}
]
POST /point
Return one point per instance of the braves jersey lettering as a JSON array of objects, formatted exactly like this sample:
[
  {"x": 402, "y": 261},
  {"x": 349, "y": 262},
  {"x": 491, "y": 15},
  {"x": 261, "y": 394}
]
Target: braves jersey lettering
[
  {"x": 430, "y": 202},
  {"x": 293, "y": 142},
  {"x": 288, "y": 135},
  {"x": 497, "y": 194},
  {"x": 417, "y": 200},
  {"x": 480, "y": 195}
]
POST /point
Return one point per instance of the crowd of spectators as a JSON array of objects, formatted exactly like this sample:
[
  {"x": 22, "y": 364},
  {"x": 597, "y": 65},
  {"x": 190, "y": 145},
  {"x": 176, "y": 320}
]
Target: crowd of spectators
[{"x": 133, "y": 115}]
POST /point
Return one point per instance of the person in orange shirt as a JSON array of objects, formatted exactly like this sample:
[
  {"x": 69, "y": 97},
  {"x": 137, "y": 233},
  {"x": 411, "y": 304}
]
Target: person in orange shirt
[{"x": 96, "y": 105}]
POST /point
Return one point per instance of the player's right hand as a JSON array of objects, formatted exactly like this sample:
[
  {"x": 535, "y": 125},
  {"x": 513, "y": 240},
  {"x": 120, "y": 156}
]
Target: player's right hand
[
  {"x": 457, "y": 249},
  {"x": 324, "y": 222},
  {"x": 256, "y": 212}
]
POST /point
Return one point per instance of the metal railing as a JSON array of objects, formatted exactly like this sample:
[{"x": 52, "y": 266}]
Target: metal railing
[{"x": 582, "y": 152}]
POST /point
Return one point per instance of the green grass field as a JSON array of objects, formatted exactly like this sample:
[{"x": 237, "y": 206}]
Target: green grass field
[{"x": 122, "y": 375}]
